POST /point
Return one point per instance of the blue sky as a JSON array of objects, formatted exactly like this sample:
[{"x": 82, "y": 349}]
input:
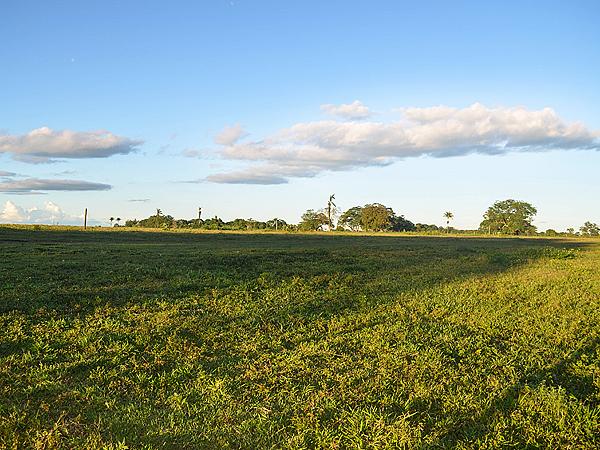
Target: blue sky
[{"x": 164, "y": 79}]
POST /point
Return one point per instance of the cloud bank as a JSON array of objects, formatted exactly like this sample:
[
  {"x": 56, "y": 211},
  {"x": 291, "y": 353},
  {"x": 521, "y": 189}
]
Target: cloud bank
[
  {"x": 49, "y": 213},
  {"x": 42, "y": 145},
  {"x": 310, "y": 148},
  {"x": 38, "y": 185}
]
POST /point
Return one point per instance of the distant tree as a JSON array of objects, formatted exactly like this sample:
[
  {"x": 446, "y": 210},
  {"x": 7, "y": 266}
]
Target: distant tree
[
  {"x": 118, "y": 219},
  {"x": 399, "y": 223},
  {"x": 331, "y": 211},
  {"x": 551, "y": 232},
  {"x": 157, "y": 221},
  {"x": 509, "y": 217},
  {"x": 238, "y": 224},
  {"x": 589, "y": 229},
  {"x": 373, "y": 217},
  {"x": 351, "y": 219},
  {"x": 376, "y": 217},
  {"x": 111, "y": 220},
  {"x": 214, "y": 224},
  {"x": 424, "y": 227},
  {"x": 570, "y": 230},
  {"x": 449, "y": 216},
  {"x": 276, "y": 224},
  {"x": 313, "y": 220}
]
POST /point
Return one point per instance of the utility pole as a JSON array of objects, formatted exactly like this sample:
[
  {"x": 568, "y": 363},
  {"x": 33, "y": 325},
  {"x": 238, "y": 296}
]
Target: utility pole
[
  {"x": 199, "y": 213},
  {"x": 85, "y": 219}
]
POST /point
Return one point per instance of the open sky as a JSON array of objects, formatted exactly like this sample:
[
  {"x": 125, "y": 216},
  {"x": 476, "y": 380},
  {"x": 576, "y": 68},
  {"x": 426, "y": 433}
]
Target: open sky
[{"x": 262, "y": 109}]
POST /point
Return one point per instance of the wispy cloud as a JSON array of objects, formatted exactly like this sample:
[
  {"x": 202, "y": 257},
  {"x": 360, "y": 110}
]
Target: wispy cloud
[
  {"x": 192, "y": 153},
  {"x": 4, "y": 174},
  {"x": 354, "y": 111},
  {"x": 37, "y": 185},
  {"x": 43, "y": 145},
  {"x": 140, "y": 200},
  {"x": 230, "y": 135},
  {"x": 246, "y": 177},
  {"x": 310, "y": 148}
]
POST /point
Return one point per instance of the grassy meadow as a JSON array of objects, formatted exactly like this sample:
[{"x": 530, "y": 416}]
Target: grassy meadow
[{"x": 148, "y": 340}]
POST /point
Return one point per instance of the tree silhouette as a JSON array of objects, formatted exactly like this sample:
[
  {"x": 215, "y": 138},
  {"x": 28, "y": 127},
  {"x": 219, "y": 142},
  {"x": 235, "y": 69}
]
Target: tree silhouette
[
  {"x": 118, "y": 219},
  {"x": 111, "y": 220}
]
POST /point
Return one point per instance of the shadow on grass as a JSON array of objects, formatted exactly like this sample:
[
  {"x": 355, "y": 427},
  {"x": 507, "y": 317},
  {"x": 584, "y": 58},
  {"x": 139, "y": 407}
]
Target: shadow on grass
[
  {"x": 76, "y": 270},
  {"x": 556, "y": 376}
]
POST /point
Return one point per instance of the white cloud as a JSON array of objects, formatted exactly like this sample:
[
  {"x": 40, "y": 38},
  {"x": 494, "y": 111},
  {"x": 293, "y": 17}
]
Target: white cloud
[
  {"x": 37, "y": 185},
  {"x": 49, "y": 213},
  {"x": 230, "y": 135},
  {"x": 307, "y": 149},
  {"x": 43, "y": 144},
  {"x": 4, "y": 173},
  {"x": 354, "y": 111},
  {"x": 12, "y": 213}
]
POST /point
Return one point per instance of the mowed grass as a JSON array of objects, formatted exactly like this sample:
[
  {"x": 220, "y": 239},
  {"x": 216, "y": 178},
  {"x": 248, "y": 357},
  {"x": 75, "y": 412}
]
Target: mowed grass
[{"x": 181, "y": 340}]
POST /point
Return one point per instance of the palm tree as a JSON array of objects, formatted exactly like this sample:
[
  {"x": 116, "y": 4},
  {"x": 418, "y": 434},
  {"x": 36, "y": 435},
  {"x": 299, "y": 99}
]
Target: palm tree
[
  {"x": 330, "y": 210},
  {"x": 449, "y": 216}
]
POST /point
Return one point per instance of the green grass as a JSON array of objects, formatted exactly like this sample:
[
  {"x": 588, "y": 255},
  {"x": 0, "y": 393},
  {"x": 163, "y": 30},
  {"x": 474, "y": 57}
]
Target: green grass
[{"x": 199, "y": 340}]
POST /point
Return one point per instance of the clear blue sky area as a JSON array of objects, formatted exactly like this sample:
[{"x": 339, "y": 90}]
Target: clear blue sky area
[{"x": 164, "y": 79}]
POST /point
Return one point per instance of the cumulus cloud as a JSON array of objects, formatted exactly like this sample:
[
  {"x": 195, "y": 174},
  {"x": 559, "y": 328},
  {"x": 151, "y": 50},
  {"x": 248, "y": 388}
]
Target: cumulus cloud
[
  {"x": 42, "y": 145},
  {"x": 309, "y": 148},
  {"x": 49, "y": 213},
  {"x": 230, "y": 135},
  {"x": 38, "y": 185},
  {"x": 354, "y": 111}
]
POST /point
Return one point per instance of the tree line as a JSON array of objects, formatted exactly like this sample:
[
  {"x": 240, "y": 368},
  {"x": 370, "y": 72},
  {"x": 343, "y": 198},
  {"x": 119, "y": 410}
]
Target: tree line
[{"x": 506, "y": 217}]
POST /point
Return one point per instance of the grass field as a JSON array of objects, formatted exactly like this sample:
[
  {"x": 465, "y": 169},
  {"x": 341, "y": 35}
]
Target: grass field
[{"x": 180, "y": 340}]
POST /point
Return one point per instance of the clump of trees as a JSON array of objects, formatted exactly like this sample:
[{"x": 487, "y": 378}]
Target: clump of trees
[
  {"x": 313, "y": 220},
  {"x": 373, "y": 217},
  {"x": 589, "y": 229},
  {"x": 159, "y": 220},
  {"x": 509, "y": 217}
]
